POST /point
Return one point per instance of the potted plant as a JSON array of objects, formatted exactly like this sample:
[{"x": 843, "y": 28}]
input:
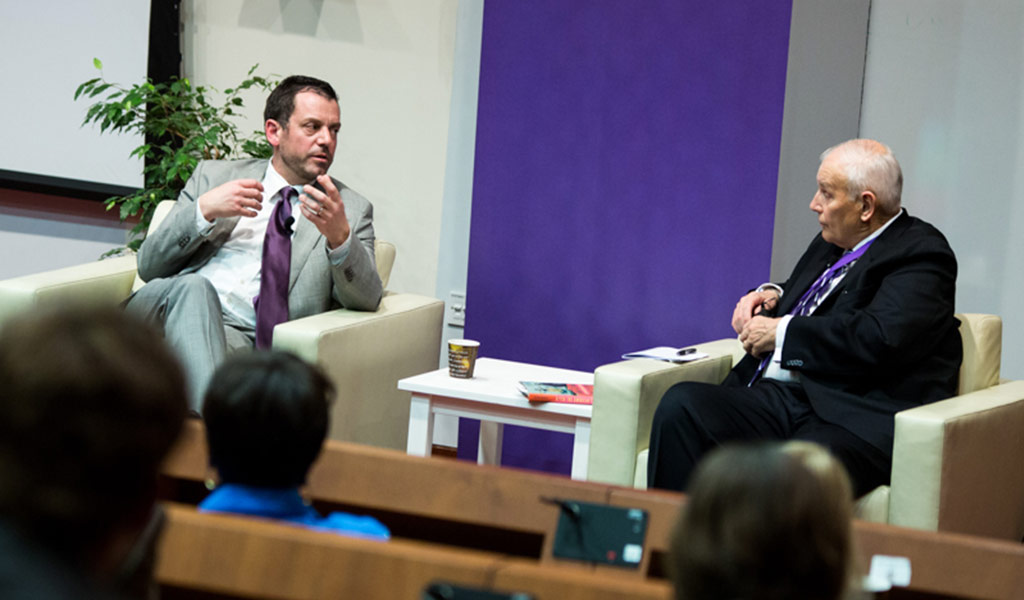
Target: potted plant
[{"x": 181, "y": 126}]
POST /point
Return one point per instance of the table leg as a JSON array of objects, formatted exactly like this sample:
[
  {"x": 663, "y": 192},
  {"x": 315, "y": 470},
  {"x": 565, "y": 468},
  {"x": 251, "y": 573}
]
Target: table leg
[
  {"x": 488, "y": 451},
  {"x": 421, "y": 426},
  {"x": 581, "y": 449}
]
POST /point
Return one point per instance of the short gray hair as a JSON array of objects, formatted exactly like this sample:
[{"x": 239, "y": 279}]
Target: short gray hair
[{"x": 870, "y": 166}]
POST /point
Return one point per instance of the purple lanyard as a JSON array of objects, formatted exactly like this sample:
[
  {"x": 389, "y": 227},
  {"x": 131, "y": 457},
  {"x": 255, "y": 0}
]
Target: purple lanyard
[{"x": 822, "y": 282}]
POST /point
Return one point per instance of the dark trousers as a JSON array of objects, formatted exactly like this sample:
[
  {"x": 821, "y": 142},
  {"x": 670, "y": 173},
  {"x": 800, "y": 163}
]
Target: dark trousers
[{"x": 694, "y": 418}]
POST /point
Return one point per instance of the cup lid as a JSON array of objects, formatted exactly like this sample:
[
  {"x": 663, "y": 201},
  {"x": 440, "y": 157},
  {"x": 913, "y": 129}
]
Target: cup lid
[{"x": 463, "y": 342}]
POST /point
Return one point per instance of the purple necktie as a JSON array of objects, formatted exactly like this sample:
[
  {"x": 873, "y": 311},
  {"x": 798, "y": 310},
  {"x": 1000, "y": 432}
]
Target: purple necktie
[{"x": 272, "y": 302}]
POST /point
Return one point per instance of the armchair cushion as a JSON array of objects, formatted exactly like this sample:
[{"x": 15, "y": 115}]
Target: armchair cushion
[
  {"x": 982, "y": 337},
  {"x": 365, "y": 354},
  {"x": 106, "y": 281},
  {"x": 956, "y": 464},
  {"x": 626, "y": 393}
]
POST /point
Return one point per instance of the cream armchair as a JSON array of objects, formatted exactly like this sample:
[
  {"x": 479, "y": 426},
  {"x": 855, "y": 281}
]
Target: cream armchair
[
  {"x": 956, "y": 463},
  {"x": 364, "y": 353}
]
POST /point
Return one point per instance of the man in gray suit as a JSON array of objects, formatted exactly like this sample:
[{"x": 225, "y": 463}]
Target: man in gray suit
[{"x": 204, "y": 264}]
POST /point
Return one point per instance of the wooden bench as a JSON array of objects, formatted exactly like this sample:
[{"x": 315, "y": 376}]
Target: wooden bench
[
  {"x": 432, "y": 499},
  {"x": 943, "y": 565},
  {"x": 203, "y": 555},
  {"x": 947, "y": 564},
  {"x": 556, "y": 581},
  {"x": 495, "y": 509}
]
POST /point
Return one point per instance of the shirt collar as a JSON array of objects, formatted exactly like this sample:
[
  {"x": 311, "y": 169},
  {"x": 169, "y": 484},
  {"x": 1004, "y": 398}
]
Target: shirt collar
[
  {"x": 247, "y": 499},
  {"x": 273, "y": 183},
  {"x": 878, "y": 231}
]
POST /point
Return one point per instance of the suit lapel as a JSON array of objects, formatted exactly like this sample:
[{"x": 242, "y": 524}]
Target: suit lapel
[
  {"x": 807, "y": 276},
  {"x": 305, "y": 238},
  {"x": 863, "y": 264}
]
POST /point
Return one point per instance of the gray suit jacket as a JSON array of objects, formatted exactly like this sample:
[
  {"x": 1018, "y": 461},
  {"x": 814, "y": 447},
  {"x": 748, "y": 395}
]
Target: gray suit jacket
[{"x": 316, "y": 284}]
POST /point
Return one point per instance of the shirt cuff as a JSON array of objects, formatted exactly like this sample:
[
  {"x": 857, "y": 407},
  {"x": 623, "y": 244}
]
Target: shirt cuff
[
  {"x": 202, "y": 225},
  {"x": 780, "y": 338},
  {"x": 339, "y": 254},
  {"x": 770, "y": 286},
  {"x": 774, "y": 368}
]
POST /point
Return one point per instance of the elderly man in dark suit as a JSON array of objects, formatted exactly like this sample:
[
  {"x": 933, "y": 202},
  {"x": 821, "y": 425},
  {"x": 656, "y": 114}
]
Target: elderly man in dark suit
[
  {"x": 863, "y": 328},
  {"x": 252, "y": 243}
]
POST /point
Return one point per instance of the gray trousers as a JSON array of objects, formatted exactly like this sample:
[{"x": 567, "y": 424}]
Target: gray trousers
[{"x": 188, "y": 310}]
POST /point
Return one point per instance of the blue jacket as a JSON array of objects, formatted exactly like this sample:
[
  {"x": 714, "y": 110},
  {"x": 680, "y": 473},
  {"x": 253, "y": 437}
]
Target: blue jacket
[{"x": 287, "y": 505}]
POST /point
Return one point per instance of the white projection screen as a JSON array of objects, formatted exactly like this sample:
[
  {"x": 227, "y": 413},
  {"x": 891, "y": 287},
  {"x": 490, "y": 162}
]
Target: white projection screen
[{"x": 47, "y": 50}]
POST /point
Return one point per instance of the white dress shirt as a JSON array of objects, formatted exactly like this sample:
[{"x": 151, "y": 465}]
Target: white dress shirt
[{"x": 234, "y": 270}]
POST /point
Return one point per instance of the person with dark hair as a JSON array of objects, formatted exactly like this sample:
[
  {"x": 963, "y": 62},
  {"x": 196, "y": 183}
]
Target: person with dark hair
[
  {"x": 251, "y": 243},
  {"x": 267, "y": 415},
  {"x": 768, "y": 521},
  {"x": 92, "y": 401},
  {"x": 862, "y": 329}
]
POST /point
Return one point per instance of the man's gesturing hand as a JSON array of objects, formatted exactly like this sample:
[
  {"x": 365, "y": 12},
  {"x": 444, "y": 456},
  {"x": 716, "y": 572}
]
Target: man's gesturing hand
[
  {"x": 750, "y": 305},
  {"x": 758, "y": 335},
  {"x": 238, "y": 198},
  {"x": 326, "y": 211}
]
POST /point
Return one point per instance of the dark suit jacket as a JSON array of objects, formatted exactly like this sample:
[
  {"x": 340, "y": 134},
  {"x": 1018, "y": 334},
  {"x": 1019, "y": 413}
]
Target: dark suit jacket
[
  {"x": 315, "y": 285},
  {"x": 884, "y": 340}
]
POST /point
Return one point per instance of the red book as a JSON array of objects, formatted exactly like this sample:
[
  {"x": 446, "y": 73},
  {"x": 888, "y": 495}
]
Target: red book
[{"x": 567, "y": 393}]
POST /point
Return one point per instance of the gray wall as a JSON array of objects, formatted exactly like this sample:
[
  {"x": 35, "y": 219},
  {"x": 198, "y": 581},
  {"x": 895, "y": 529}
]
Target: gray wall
[
  {"x": 40, "y": 233},
  {"x": 827, "y": 44},
  {"x": 943, "y": 87}
]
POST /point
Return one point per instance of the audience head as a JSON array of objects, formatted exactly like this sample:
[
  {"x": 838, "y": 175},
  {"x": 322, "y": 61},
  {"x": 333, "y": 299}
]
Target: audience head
[
  {"x": 281, "y": 101},
  {"x": 92, "y": 401},
  {"x": 267, "y": 414},
  {"x": 765, "y": 522}
]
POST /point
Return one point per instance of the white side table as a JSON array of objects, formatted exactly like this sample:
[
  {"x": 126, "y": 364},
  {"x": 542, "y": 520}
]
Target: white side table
[{"x": 491, "y": 396}]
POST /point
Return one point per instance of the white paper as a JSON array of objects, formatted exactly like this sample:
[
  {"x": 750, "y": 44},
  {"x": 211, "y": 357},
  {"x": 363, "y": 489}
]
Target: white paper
[
  {"x": 666, "y": 353},
  {"x": 886, "y": 572}
]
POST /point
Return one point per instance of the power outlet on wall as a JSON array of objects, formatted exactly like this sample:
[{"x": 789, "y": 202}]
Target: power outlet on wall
[{"x": 455, "y": 309}]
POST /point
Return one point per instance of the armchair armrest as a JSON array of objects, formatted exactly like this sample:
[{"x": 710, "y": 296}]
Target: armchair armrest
[
  {"x": 626, "y": 393},
  {"x": 365, "y": 354},
  {"x": 956, "y": 464},
  {"x": 104, "y": 281}
]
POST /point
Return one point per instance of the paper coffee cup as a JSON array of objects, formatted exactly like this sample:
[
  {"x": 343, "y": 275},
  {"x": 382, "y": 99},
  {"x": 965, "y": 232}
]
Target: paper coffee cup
[{"x": 462, "y": 357}]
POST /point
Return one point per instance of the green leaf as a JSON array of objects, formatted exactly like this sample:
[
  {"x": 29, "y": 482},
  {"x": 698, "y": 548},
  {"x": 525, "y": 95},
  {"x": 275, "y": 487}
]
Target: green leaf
[
  {"x": 183, "y": 126},
  {"x": 141, "y": 151},
  {"x": 97, "y": 63},
  {"x": 91, "y": 114},
  {"x": 84, "y": 86},
  {"x": 99, "y": 89}
]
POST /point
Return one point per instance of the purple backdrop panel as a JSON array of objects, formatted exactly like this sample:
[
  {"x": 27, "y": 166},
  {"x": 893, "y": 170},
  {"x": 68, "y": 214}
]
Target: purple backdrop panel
[{"x": 625, "y": 179}]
